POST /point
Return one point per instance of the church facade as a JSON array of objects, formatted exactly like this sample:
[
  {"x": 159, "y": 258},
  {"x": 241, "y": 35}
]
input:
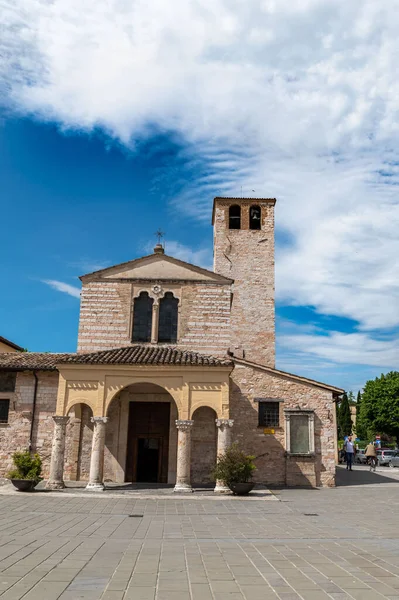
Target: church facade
[{"x": 174, "y": 363}]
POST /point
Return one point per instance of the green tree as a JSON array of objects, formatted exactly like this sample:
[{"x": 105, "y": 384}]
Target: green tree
[
  {"x": 380, "y": 404},
  {"x": 361, "y": 430},
  {"x": 351, "y": 398},
  {"x": 345, "y": 420}
]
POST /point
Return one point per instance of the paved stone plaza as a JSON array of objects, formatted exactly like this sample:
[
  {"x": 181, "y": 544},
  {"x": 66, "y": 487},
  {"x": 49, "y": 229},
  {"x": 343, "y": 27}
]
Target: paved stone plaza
[{"x": 292, "y": 544}]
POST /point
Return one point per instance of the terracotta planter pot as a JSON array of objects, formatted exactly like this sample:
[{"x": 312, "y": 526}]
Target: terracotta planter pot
[
  {"x": 241, "y": 489},
  {"x": 24, "y": 485}
]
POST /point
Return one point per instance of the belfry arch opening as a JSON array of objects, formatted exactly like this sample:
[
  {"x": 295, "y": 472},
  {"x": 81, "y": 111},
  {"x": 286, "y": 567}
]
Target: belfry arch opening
[
  {"x": 235, "y": 217},
  {"x": 255, "y": 217}
]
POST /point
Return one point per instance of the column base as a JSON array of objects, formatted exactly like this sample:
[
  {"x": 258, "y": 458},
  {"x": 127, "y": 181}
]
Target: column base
[
  {"x": 222, "y": 489},
  {"x": 94, "y": 487},
  {"x": 183, "y": 488},
  {"x": 55, "y": 485}
]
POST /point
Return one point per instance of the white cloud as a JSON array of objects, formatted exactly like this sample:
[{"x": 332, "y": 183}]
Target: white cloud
[
  {"x": 347, "y": 348},
  {"x": 201, "y": 257},
  {"x": 296, "y": 99},
  {"x": 343, "y": 359},
  {"x": 60, "y": 286}
]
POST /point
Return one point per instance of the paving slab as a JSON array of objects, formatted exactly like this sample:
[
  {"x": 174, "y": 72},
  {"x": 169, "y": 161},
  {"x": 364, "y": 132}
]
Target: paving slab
[{"x": 153, "y": 545}]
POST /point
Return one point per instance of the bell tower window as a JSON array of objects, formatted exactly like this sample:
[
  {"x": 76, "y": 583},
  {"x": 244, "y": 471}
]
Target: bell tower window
[
  {"x": 254, "y": 217},
  {"x": 142, "y": 318},
  {"x": 168, "y": 315},
  {"x": 235, "y": 217}
]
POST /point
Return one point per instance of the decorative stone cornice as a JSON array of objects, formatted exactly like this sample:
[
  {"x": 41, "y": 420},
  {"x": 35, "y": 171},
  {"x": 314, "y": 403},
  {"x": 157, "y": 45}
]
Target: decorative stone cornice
[
  {"x": 184, "y": 425},
  {"x": 224, "y": 422}
]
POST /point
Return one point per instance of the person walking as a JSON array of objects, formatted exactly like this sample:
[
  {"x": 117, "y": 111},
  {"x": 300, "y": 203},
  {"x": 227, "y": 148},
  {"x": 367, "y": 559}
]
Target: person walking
[
  {"x": 371, "y": 455},
  {"x": 350, "y": 453}
]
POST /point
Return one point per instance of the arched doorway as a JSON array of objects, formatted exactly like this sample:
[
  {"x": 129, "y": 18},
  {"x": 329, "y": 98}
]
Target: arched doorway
[
  {"x": 78, "y": 443},
  {"x": 203, "y": 444},
  {"x": 141, "y": 436}
]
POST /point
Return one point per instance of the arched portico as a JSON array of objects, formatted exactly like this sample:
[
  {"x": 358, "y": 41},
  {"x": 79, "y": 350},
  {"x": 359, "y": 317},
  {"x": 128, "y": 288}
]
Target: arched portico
[
  {"x": 142, "y": 417},
  {"x": 141, "y": 435}
]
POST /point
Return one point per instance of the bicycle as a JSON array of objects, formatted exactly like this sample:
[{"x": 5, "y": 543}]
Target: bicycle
[{"x": 372, "y": 462}]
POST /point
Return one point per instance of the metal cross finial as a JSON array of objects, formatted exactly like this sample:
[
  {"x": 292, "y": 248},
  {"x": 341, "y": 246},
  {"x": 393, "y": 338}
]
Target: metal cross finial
[{"x": 159, "y": 235}]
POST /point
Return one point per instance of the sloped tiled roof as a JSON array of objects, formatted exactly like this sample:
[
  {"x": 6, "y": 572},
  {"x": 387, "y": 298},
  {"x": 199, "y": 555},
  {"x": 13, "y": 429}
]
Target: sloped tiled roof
[
  {"x": 335, "y": 390},
  {"x": 147, "y": 355},
  {"x": 31, "y": 361}
]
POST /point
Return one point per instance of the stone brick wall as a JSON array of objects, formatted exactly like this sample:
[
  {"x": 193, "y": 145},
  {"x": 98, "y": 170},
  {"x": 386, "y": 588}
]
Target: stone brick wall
[
  {"x": 14, "y": 436},
  {"x": 106, "y": 316},
  {"x": 247, "y": 256},
  {"x": 273, "y": 468},
  {"x": 105, "y": 313},
  {"x": 205, "y": 318},
  {"x": 203, "y": 445}
]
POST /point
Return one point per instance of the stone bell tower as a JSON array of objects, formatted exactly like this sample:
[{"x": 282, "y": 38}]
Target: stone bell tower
[{"x": 244, "y": 251}]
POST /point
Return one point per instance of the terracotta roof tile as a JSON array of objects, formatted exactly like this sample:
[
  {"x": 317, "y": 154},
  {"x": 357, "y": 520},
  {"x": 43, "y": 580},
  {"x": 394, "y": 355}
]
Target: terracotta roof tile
[
  {"x": 31, "y": 361},
  {"x": 147, "y": 355}
]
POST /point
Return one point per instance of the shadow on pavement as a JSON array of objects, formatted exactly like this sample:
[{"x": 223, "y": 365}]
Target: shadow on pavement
[{"x": 359, "y": 476}]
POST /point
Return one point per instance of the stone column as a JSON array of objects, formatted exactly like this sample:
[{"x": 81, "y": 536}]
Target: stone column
[
  {"x": 183, "y": 483},
  {"x": 224, "y": 440},
  {"x": 155, "y": 321},
  {"x": 55, "y": 480},
  {"x": 97, "y": 455}
]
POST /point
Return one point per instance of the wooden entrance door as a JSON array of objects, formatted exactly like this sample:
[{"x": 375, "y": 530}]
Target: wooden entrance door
[{"x": 148, "y": 442}]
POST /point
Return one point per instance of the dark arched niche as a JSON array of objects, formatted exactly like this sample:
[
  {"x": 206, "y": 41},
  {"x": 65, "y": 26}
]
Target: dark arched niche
[
  {"x": 235, "y": 217},
  {"x": 255, "y": 217},
  {"x": 168, "y": 315},
  {"x": 142, "y": 318}
]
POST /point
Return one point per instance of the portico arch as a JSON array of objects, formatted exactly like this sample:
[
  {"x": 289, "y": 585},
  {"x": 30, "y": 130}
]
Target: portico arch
[
  {"x": 172, "y": 386},
  {"x": 141, "y": 435},
  {"x": 203, "y": 444},
  {"x": 78, "y": 443}
]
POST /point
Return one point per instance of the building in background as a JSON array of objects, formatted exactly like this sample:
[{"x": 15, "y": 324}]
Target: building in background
[{"x": 7, "y": 346}]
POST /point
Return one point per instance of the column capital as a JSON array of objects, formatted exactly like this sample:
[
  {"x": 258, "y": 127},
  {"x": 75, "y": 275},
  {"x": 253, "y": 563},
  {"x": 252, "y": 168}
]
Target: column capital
[
  {"x": 184, "y": 425},
  {"x": 58, "y": 420},
  {"x": 99, "y": 420},
  {"x": 224, "y": 422}
]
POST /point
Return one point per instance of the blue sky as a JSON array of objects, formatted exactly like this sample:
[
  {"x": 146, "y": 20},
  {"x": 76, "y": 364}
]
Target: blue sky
[{"x": 120, "y": 117}]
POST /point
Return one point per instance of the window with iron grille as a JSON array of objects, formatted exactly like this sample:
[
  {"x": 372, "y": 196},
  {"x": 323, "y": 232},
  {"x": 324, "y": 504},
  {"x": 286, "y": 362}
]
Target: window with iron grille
[
  {"x": 7, "y": 381},
  {"x": 269, "y": 414},
  {"x": 4, "y": 408}
]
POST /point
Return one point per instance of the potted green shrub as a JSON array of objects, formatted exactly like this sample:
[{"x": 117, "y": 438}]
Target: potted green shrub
[
  {"x": 235, "y": 469},
  {"x": 27, "y": 471}
]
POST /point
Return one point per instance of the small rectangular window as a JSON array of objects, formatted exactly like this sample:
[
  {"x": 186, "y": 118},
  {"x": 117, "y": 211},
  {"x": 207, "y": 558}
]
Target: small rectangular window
[
  {"x": 299, "y": 434},
  {"x": 269, "y": 414},
  {"x": 7, "y": 381},
  {"x": 4, "y": 408}
]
